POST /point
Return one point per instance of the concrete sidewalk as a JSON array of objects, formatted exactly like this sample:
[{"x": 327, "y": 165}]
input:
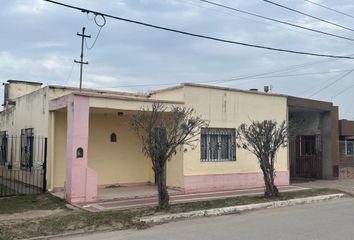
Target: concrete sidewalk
[
  {"x": 346, "y": 185},
  {"x": 124, "y": 203}
]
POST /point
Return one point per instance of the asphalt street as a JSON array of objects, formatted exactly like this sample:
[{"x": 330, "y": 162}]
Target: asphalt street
[{"x": 328, "y": 220}]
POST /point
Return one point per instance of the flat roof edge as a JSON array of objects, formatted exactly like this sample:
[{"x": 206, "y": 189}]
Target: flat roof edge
[{"x": 26, "y": 82}]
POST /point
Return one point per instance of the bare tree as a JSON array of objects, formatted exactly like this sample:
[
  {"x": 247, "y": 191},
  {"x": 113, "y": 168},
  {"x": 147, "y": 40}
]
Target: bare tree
[
  {"x": 163, "y": 131},
  {"x": 264, "y": 139}
]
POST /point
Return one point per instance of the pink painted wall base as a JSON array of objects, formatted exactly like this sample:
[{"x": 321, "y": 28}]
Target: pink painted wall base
[{"x": 219, "y": 182}]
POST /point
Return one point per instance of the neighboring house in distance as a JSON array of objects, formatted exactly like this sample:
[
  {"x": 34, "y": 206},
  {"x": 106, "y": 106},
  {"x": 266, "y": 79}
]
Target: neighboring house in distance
[
  {"x": 346, "y": 149},
  {"x": 90, "y": 144}
]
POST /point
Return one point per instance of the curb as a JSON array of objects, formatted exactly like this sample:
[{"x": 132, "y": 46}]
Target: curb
[{"x": 238, "y": 209}]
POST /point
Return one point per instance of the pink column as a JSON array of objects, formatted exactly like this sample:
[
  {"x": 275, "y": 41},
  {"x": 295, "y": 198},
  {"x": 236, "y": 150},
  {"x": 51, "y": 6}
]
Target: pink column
[{"x": 81, "y": 181}]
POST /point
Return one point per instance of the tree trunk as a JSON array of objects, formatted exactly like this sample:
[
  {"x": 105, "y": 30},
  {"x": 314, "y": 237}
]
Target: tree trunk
[
  {"x": 270, "y": 189},
  {"x": 162, "y": 188}
]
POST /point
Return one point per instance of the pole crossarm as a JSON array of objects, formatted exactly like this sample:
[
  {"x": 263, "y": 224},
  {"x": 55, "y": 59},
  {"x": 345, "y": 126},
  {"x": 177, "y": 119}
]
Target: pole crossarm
[{"x": 81, "y": 62}]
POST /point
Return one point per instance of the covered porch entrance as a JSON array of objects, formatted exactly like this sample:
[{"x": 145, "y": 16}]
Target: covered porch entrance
[
  {"x": 313, "y": 145},
  {"x": 93, "y": 147}
]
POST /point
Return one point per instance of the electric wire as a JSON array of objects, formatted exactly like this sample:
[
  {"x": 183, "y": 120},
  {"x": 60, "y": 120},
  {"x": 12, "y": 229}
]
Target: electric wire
[
  {"x": 308, "y": 15},
  {"x": 273, "y": 19},
  {"x": 309, "y": 89},
  {"x": 332, "y": 83},
  {"x": 199, "y": 35},
  {"x": 329, "y": 8},
  {"x": 100, "y": 26},
  {"x": 221, "y": 11},
  {"x": 70, "y": 73},
  {"x": 94, "y": 42},
  {"x": 241, "y": 78},
  {"x": 88, "y": 17},
  {"x": 343, "y": 91}
]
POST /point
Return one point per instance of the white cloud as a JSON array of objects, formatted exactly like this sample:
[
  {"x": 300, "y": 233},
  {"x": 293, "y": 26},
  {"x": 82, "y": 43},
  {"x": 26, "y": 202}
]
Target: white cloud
[
  {"x": 40, "y": 45},
  {"x": 29, "y": 7}
]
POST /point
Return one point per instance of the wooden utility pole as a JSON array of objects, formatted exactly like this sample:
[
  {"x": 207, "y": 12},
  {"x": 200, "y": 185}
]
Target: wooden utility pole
[{"x": 83, "y": 36}]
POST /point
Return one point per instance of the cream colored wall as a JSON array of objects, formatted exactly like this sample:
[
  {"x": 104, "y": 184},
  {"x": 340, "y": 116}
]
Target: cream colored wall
[
  {"x": 174, "y": 173},
  {"x": 18, "y": 89},
  {"x": 58, "y": 172},
  {"x": 123, "y": 161},
  {"x": 229, "y": 109},
  {"x": 30, "y": 111},
  {"x": 176, "y": 94},
  {"x": 118, "y": 162}
]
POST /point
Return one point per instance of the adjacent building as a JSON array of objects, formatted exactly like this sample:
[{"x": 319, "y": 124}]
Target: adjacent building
[{"x": 346, "y": 149}]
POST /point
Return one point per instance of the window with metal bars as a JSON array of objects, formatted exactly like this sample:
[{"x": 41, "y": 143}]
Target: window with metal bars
[
  {"x": 3, "y": 147},
  {"x": 218, "y": 144},
  {"x": 27, "y": 148}
]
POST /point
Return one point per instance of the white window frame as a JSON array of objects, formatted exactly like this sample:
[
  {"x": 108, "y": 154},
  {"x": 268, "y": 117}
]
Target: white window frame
[
  {"x": 219, "y": 132},
  {"x": 346, "y": 147}
]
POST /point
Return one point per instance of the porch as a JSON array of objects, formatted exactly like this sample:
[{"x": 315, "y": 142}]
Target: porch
[
  {"x": 103, "y": 155},
  {"x": 313, "y": 146}
]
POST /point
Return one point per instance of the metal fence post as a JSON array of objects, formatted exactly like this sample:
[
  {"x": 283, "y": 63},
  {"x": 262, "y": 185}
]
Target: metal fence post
[{"x": 44, "y": 188}]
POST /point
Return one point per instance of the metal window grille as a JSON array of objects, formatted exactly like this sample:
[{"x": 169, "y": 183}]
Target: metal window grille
[
  {"x": 3, "y": 147},
  {"x": 218, "y": 144},
  {"x": 27, "y": 147}
]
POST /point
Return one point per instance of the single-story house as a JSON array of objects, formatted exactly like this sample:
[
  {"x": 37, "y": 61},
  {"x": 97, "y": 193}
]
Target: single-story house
[{"x": 89, "y": 144}]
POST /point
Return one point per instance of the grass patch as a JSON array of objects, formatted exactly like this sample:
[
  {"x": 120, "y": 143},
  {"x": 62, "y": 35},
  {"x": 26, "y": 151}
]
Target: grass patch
[
  {"x": 236, "y": 201},
  {"x": 74, "y": 221},
  {"x": 87, "y": 221},
  {"x": 24, "y": 203}
]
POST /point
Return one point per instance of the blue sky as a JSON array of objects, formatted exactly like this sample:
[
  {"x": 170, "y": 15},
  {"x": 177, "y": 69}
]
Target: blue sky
[{"x": 39, "y": 43}]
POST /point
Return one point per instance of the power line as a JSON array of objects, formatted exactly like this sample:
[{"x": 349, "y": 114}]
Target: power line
[
  {"x": 332, "y": 83},
  {"x": 71, "y": 72},
  {"x": 275, "y": 20},
  {"x": 94, "y": 42},
  {"x": 199, "y": 35},
  {"x": 252, "y": 77},
  {"x": 343, "y": 91},
  {"x": 308, "y": 15},
  {"x": 100, "y": 25},
  {"x": 328, "y": 8},
  {"x": 211, "y": 8},
  {"x": 310, "y": 88}
]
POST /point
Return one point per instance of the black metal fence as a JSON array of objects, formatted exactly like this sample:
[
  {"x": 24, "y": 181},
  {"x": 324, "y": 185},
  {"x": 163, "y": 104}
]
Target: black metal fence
[{"x": 23, "y": 161}]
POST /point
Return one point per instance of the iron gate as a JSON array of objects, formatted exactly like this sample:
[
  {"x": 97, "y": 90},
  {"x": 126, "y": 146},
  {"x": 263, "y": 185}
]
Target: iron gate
[
  {"x": 23, "y": 161},
  {"x": 305, "y": 157}
]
